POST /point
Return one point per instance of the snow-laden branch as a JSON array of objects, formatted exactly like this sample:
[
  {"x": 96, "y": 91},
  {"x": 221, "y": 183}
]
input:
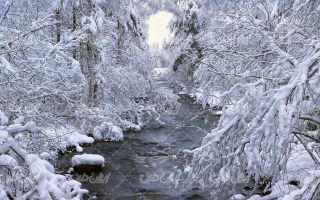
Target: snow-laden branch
[{"x": 270, "y": 91}]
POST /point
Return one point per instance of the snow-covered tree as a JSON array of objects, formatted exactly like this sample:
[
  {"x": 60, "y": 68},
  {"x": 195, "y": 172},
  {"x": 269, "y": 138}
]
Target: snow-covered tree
[
  {"x": 75, "y": 64},
  {"x": 262, "y": 57},
  {"x": 184, "y": 48}
]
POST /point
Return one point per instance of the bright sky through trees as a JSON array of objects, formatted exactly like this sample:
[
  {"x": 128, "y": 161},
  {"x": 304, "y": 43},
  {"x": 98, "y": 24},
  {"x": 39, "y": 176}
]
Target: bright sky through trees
[{"x": 158, "y": 28}]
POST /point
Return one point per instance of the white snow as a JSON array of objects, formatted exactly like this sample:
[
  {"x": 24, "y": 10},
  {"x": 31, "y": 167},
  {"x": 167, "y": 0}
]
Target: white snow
[
  {"x": 16, "y": 128},
  {"x": 108, "y": 131},
  {"x": 19, "y": 120},
  {"x": 237, "y": 197},
  {"x": 3, "y": 119},
  {"x": 4, "y": 64},
  {"x": 211, "y": 99},
  {"x": 45, "y": 155},
  {"x": 3, "y": 135},
  {"x": 69, "y": 138},
  {"x": 75, "y": 139},
  {"x": 218, "y": 113},
  {"x": 6, "y": 160},
  {"x": 188, "y": 169},
  {"x": 50, "y": 184},
  {"x": 87, "y": 159},
  {"x": 159, "y": 71},
  {"x": 3, "y": 194}
]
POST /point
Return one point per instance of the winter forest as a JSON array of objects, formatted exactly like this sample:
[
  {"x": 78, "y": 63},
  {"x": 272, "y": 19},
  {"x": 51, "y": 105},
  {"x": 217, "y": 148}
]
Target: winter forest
[{"x": 160, "y": 99}]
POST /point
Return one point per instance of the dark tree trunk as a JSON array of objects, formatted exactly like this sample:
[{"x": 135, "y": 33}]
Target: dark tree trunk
[{"x": 57, "y": 14}]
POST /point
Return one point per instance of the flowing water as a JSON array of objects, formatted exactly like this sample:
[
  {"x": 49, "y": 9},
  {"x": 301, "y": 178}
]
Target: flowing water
[{"x": 138, "y": 167}]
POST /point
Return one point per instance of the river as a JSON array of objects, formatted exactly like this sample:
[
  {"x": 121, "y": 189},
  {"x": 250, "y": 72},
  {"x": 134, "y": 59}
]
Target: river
[{"x": 138, "y": 167}]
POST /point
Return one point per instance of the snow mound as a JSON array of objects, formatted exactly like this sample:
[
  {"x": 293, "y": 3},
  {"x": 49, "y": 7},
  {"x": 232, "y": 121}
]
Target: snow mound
[
  {"x": 87, "y": 159},
  {"x": 108, "y": 131},
  {"x": 77, "y": 138},
  {"x": 73, "y": 139},
  {"x": 50, "y": 184}
]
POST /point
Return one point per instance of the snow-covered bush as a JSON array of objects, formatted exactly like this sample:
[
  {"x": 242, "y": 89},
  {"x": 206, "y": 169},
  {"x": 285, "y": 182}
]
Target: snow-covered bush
[
  {"x": 107, "y": 131},
  {"x": 69, "y": 138},
  {"x": 24, "y": 175}
]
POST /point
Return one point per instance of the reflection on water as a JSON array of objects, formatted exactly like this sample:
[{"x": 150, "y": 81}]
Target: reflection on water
[{"x": 140, "y": 166}]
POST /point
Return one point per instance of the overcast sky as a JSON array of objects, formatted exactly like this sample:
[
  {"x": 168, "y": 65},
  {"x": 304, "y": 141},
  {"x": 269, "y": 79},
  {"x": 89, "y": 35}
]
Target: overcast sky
[{"x": 158, "y": 27}]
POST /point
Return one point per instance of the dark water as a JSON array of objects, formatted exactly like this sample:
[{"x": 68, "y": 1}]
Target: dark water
[{"x": 138, "y": 167}]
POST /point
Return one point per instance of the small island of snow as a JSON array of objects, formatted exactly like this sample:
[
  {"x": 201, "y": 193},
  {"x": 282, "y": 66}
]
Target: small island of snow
[{"x": 88, "y": 159}]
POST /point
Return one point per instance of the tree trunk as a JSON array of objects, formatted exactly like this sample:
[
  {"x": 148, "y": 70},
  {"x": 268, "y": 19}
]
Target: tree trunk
[
  {"x": 91, "y": 73},
  {"x": 74, "y": 27},
  {"x": 92, "y": 83},
  {"x": 119, "y": 41},
  {"x": 57, "y": 14}
]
